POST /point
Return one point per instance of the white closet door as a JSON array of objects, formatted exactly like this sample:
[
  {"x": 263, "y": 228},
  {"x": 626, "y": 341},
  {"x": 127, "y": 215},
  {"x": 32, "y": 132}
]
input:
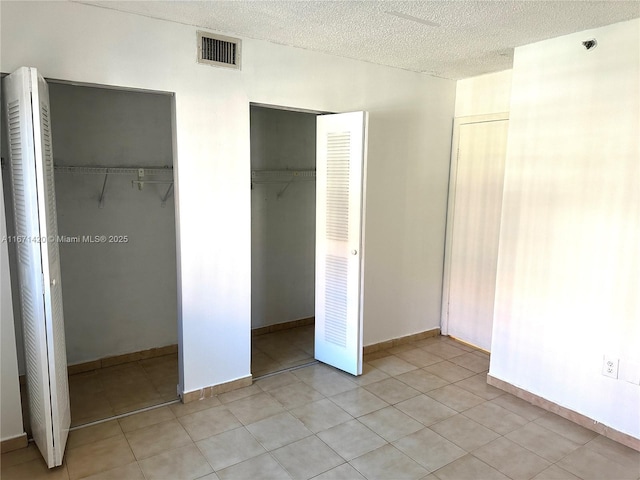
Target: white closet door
[
  {"x": 26, "y": 100},
  {"x": 474, "y": 220},
  {"x": 340, "y": 184}
]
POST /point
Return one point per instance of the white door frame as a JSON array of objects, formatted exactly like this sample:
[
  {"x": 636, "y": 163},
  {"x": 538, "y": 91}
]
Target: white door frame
[
  {"x": 285, "y": 108},
  {"x": 451, "y": 200},
  {"x": 319, "y": 113},
  {"x": 176, "y": 203}
]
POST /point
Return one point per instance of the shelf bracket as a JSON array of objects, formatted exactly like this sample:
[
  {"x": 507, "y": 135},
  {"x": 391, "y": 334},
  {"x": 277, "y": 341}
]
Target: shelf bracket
[
  {"x": 104, "y": 187},
  {"x": 281, "y": 192},
  {"x": 140, "y": 178},
  {"x": 166, "y": 196}
]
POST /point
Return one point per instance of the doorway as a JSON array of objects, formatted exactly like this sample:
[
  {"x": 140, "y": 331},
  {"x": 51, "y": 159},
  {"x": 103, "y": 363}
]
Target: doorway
[
  {"x": 283, "y": 230},
  {"x": 113, "y": 162},
  {"x": 473, "y": 227}
]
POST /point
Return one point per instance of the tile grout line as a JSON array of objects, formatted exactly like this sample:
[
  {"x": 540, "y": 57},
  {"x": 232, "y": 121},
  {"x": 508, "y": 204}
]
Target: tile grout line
[
  {"x": 290, "y": 369},
  {"x": 470, "y": 453},
  {"x": 123, "y": 415}
]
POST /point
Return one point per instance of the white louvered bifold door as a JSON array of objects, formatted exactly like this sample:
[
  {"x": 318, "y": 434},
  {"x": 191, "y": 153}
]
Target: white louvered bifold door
[
  {"x": 340, "y": 182},
  {"x": 26, "y": 101}
]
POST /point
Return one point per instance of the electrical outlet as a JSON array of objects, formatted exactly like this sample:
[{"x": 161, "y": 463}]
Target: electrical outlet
[{"x": 610, "y": 366}]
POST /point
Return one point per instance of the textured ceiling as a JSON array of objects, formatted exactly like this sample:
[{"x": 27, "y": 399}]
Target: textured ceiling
[{"x": 472, "y": 37}]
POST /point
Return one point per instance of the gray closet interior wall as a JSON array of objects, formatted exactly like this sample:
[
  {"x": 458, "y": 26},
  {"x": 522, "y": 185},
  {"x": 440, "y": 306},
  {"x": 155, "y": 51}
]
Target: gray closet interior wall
[
  {"x": 282, "y": 227},
  {"x": 118, "y": 297}
]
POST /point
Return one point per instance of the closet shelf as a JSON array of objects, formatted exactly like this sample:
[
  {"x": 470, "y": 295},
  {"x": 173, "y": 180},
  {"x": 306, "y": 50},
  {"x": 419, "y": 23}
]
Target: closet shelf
[
  {"x": 141, "y": 172},
  {"x": 113, "y": 170}
]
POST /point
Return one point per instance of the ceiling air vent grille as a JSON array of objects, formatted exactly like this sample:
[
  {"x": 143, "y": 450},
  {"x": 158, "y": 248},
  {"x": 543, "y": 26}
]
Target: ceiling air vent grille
[{"x": 218, "y": 50}]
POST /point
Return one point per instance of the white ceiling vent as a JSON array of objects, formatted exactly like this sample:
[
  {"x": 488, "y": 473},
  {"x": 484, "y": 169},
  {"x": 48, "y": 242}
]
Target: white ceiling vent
[{"x": 219, "y": 50}]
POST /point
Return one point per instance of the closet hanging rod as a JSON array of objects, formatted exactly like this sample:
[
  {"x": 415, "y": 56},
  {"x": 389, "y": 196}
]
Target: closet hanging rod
[
  {"x": 159, "y": 182},
  {"x": 154, "y": 170}
]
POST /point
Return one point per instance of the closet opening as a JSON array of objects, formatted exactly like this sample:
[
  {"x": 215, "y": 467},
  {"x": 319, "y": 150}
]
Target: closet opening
[
  {"x": 283, "y": 229},
  {"x": 113, "y": 154}
]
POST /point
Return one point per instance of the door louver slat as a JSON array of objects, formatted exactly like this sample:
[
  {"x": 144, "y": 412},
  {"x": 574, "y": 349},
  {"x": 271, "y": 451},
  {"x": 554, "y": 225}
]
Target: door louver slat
[{"x": 337, "y": 272}]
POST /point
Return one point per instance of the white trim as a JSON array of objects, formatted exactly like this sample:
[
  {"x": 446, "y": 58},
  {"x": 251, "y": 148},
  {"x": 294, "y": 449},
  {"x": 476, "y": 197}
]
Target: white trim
[
  {"x": 105, "y": 86},
  {"x": 288, "y": 108},
  {"x": 488, "y": 117}
]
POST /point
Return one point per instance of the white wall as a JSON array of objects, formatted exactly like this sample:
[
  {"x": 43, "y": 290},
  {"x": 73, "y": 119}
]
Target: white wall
[
  {"x": 410, "y": 136},
  {"x": 409, "y": 146},
  {"x": 484, "y": 94},
  {"x": 118, "y": 297},
  {"x": 11, "y": 419},
  {"x": 282, "y": 227},
  {"x": 569, "y": 257}
]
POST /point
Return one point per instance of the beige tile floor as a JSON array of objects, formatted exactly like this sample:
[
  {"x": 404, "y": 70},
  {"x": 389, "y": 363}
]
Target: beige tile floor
[
  {"x": 107, "y": 392},
  {"x": 420, "y": 411},
  {"x": 273, "y": 352},
  {"x": 112, "y": 391}
]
